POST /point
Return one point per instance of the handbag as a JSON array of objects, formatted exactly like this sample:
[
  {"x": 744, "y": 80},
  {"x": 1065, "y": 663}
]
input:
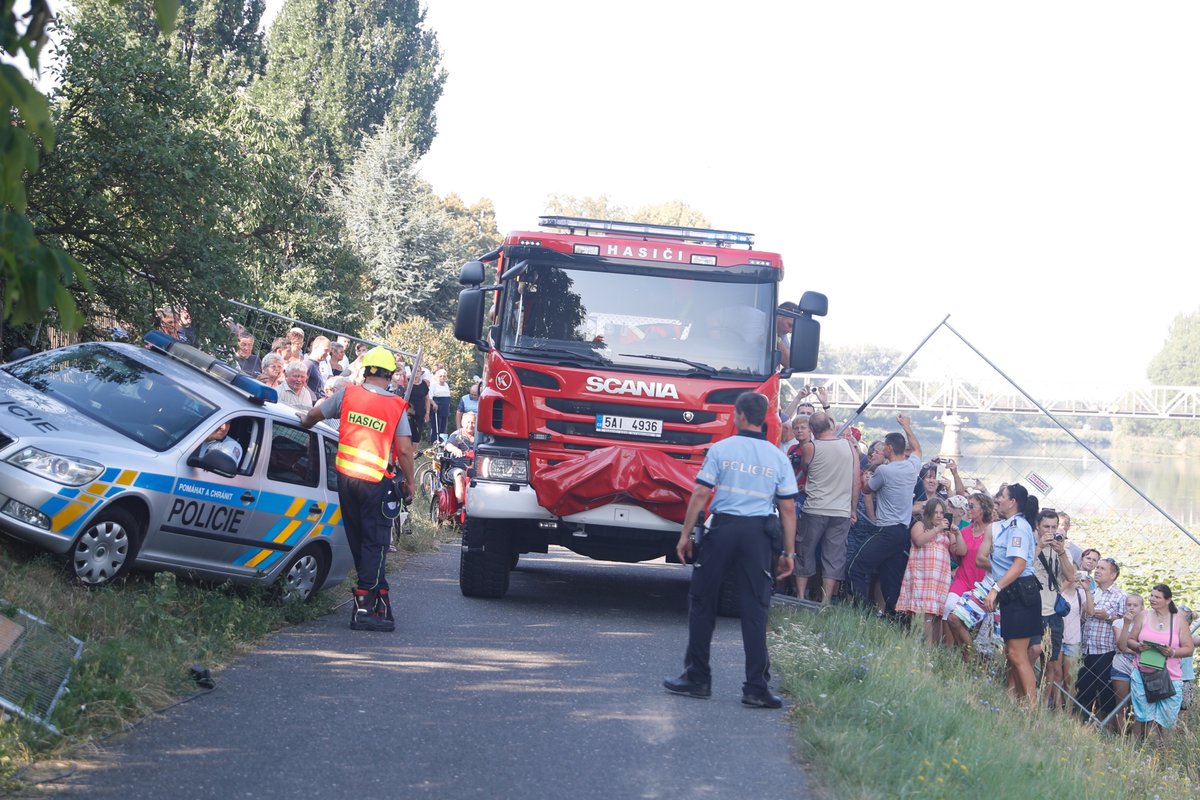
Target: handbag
[
  {"x": 1061, "y": 606},
  {"x": 1152, "y": 664}
]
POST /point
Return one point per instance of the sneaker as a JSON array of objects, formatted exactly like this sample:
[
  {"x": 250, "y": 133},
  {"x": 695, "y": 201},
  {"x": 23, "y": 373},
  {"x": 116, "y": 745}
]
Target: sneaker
[
  {"x": 763, "y": 699},
  {"x": 685, "y": 686}
]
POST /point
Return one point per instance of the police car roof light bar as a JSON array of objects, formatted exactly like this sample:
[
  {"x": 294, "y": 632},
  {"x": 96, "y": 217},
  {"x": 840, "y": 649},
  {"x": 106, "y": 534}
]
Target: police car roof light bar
[
  {"x": 701, "y": 235},
  {"x": 199, "y": 360}
]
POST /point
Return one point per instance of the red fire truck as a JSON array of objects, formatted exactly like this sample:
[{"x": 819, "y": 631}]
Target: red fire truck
[{"x": 615, "y": 352}]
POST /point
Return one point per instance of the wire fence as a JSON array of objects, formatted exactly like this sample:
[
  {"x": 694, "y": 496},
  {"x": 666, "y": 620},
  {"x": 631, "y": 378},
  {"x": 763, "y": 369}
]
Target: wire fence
[
  {"x": 35, "y": 664},
  {"x": 1139, "y": 513}
]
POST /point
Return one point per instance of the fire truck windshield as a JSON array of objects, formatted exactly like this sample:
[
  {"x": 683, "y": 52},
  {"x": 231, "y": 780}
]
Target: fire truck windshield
[{"x": 677, "y": 321}]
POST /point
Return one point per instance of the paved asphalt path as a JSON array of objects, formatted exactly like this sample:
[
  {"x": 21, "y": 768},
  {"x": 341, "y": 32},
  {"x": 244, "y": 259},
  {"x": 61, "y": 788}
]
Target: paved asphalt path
[{"x": 553, "y": 692}]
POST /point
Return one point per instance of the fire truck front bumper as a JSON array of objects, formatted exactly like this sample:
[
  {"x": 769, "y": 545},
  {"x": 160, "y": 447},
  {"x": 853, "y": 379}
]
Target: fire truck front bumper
[{"x": 495, "y": 500}]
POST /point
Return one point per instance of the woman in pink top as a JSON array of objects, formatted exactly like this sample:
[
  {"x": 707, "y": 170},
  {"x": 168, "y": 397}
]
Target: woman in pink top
[
  {"x": 981, "y": 510},
  {"x": 1161, "y": 627}
]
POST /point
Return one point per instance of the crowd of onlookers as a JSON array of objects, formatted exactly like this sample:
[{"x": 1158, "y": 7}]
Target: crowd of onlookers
[
  {"x": 304, "y": 375},
  {"x": 975, "y": 569},
  {"x": 304, "y": 371}
]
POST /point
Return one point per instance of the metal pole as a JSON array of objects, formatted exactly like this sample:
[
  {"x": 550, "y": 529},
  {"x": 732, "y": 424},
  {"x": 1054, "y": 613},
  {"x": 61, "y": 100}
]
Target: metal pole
[
  {"x": 1070, "y": 433},
  {"x": 888, "y": 379},
  {"x": 335, "y": 334}
]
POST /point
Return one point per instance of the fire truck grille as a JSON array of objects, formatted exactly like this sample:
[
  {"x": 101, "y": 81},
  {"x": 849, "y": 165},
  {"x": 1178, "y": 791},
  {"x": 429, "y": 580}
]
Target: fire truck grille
[
  {"x": 588, "y": 430},
  {"x": 587, "y": 408}
]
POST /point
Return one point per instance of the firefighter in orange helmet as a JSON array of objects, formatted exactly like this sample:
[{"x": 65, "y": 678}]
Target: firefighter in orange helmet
[{"x": 374, "y": 435}]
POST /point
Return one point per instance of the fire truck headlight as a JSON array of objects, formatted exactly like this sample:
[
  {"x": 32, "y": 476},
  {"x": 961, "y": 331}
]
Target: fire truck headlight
[{"x": 494, "y": 468}]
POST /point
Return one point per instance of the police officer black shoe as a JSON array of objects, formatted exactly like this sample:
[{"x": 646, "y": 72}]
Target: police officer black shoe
[
  {"x": 761, "y": 700},
  {"x": 685, "y": 686}
]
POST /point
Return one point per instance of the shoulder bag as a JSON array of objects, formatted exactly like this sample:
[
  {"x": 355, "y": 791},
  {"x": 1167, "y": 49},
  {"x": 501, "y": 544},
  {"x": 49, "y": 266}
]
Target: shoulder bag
[
  {"x": 1153, "y": 666},
  {"x": 1061, "y": 606}
]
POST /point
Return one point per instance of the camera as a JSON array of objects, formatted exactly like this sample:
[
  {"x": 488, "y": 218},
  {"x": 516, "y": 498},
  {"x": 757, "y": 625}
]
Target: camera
[{"x": 1058, "y": 537}]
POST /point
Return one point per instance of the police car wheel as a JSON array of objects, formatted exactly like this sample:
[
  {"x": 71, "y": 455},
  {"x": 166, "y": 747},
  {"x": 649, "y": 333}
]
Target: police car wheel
[
  {"x": 303, "y": 575},
  {"x": 105, "y": 549}
]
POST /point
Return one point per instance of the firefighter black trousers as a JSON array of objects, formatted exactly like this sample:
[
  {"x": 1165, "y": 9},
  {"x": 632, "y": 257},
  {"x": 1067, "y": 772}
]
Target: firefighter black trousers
[{"x": 368, "y": 531}]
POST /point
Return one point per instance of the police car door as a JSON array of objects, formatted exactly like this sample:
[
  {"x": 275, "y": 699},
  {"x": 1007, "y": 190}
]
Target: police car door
[
  {"x": 293, "y": 506},
  {"x": 211, "y": 517}
]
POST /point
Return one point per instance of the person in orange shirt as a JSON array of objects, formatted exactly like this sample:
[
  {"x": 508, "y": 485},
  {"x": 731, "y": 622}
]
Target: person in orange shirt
[{"x": 373, "y": 436}]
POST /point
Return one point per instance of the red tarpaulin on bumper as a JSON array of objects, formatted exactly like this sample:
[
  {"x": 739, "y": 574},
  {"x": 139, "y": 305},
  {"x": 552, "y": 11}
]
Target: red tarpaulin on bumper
[{"x": 647, "y": 478}]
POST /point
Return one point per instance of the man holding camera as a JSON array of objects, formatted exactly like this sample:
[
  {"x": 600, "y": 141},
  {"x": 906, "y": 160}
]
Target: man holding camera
[
  {"x": 747, "y": 478},
  {"x": 1055, "y": 572}
]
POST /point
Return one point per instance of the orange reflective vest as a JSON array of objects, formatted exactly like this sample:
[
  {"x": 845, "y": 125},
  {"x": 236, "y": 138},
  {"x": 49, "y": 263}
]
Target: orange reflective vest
[{"x": 367, "y": 430}]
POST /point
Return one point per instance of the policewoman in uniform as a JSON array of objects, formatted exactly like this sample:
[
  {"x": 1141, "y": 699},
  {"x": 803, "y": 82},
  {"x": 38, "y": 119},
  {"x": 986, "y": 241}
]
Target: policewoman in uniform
[
  {"x": 1017, "y": 593},
  {"x": 373, "y": 435},
  {"x": 747, "y": 478}
]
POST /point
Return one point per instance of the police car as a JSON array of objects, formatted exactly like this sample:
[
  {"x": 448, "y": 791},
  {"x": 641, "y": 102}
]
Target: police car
[{"x": 103, "y": 458}]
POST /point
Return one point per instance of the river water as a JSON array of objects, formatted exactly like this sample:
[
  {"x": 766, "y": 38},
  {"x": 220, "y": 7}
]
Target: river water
[{"x": 1082, "y": 484}]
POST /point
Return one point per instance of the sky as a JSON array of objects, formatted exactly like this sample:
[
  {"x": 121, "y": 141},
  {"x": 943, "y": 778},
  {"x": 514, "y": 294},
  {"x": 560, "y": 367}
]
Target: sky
[{"x": 1028, "y": 168}]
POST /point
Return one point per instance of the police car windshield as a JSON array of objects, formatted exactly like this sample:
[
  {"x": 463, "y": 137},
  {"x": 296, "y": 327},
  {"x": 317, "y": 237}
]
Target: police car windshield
[
  {"x": 653, "y": 322},
  {"x": 120, "y": 393}
]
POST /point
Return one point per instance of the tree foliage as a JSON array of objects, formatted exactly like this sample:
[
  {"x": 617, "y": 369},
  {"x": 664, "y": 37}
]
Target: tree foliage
[
  {"x": 861, "y": 359},
  {"x": 1177, "y": 363},
  {"x": 148, "y": 187},
  {"x": 338, "y": 70},
  {"x": 462, "y": 361},
  {"x": 673, "y": 212},
  {"x": 395, "y": 224}
]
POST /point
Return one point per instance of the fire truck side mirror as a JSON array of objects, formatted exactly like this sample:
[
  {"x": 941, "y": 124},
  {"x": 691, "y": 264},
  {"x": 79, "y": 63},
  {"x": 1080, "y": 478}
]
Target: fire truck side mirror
[
  {"x": 471, "y": 274},
  {"x": 468, "y": 322},
  {"x": 814, "y": 304},
  {"x": 806, "y": 344}
]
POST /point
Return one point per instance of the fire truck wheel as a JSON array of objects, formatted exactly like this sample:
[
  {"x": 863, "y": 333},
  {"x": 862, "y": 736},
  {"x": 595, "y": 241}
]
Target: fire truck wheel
[
  {"x": 484, "y": 573},
  {"x": 727, "y": 600}
]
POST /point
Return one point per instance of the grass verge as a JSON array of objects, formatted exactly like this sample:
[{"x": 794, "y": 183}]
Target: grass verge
[
  {"x": 877, "y": 714},
  {"x": 141, "y": 638}
]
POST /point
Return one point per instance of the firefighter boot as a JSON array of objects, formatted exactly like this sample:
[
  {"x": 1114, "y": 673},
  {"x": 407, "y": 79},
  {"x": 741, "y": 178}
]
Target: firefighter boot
[
  {"x": 383, "y": 611},
  {"x": 363, "y": 614}
]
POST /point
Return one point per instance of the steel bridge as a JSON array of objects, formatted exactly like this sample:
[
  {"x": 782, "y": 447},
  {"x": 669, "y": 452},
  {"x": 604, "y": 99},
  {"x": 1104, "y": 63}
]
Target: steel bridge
[{"x": 953, "y": 395}]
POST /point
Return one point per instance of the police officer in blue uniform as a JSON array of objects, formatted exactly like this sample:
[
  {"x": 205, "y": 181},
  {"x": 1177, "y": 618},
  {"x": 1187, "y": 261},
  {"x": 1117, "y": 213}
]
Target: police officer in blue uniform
[{"x": 747, "y": 478}]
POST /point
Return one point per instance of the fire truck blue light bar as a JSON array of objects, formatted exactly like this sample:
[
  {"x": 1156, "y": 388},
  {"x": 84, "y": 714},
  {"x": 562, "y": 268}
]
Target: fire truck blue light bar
[{"x": 655, "y": 231}]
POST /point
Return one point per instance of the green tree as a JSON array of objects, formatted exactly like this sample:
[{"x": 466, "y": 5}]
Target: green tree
[
  {"x": 1177, "y": 363},
  {"x": 221, "y": 41},
  {"x": 674, "y": 212},
  {"x": 396, "y": 225},
  {"x": 473, "y": 228},
  {"x": 569, "y": 205},
  {"x": 149, "y": 187},
  {"x": 337, "y": 70},
  {"x": 861, "y": 360},
  {"x": 34, "y": 277},
  {"x": 462, "y": 361}
]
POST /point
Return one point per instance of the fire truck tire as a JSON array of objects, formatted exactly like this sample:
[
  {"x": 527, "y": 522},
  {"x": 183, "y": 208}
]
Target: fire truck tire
[
  {"x": 727, "y": 600},
  {"x": 484, "y": 573}
]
